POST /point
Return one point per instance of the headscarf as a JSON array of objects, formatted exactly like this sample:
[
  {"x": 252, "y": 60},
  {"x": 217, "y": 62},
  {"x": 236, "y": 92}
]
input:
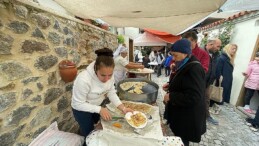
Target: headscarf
[
  {"x": 182, "y": 46},
  {"x": 119, "y": 50}
]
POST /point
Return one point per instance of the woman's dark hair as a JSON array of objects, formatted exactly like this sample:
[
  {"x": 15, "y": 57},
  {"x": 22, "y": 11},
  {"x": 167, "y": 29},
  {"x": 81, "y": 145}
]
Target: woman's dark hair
[{"x": 104, "y": 58}]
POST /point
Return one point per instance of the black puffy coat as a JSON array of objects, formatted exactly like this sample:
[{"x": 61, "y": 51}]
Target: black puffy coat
[
  {"x": 211, "y": 74},
  {"x": 185, "y": 110}
]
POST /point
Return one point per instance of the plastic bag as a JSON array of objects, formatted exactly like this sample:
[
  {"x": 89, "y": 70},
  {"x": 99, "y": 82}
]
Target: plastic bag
[{"x": 53, "y": 137}]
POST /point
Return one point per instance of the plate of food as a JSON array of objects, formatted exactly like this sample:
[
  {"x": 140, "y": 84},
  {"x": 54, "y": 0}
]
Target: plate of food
[{"x": 136, "y": 119}]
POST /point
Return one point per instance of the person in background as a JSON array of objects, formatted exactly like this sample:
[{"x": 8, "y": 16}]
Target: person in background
[
  {"x": 167, "y": 64},
  {"x": 159, "y": 58},
  {"x": 146, "y": 61},
  {"x": 89, "y": 90},
  {"x": 253, "y": 122},
  {"x": 117, "y": 52},
  {"x": 204, "y": 59},
  {"x": 136, "y": 59},
  {"x": 199, "y": 53},
  {"x": 152, "y": 56},
  {"x": 173, "y": 67},
  {"x": 184, "y": 101},
  {"x": 140, "y": 57},
  {"x": 252, "y": 81},
  {"x": 212, "y": 47},
  {"x": 122, "y": 64},
  {"x": 225, "y": 67},
  {"x": 153, "y": 60}
]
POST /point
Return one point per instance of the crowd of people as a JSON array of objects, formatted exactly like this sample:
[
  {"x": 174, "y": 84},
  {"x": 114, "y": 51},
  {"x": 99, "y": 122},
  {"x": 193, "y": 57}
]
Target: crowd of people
[
  {"x": 217, "y": 65},
  {"x": 190, "y": 71}
]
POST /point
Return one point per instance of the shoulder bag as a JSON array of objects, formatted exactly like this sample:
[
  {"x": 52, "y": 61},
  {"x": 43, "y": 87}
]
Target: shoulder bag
[{"x": 216, "y": 92}]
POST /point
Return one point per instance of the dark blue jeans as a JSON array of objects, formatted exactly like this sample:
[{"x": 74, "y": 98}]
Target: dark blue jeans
[
  {"x": 159, "y": 68},
  {"x": 256, "y": 119},
  {"x": 249, "y": 94},
  {"x": 86, "y": 121},
  {"x": 167, "y": 71}
]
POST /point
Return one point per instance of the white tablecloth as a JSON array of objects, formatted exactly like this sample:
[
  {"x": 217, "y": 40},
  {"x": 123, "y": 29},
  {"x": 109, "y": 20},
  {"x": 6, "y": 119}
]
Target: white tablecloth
[
  {"x": 153, "y": 63},
  {"x": 151, "y": 135},
  {"x": 105, "y": 138},
  {"x": 152, "y": 130}
]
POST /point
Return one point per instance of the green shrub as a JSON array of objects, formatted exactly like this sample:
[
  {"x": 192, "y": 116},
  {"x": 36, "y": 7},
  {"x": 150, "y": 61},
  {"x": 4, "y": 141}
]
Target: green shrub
[{"x": 121, "y": 39}]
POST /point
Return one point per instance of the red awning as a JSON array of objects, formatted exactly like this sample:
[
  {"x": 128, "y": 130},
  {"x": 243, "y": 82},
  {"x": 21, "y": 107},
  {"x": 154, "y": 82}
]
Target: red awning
[{"x": 169, "y": 38}]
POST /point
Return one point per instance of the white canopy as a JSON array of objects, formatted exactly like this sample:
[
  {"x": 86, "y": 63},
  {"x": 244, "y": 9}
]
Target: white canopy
[
  {"x": 147, "y": 39},
  {"x": 172, "y": 16}
]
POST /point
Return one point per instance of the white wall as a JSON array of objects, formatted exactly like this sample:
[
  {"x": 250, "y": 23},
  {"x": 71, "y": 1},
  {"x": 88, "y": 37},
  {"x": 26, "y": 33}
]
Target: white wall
[
  {"x": 121, "y": 31},
  {"x": 132, "y": 32},
  {"x": 245, "y": 37}
]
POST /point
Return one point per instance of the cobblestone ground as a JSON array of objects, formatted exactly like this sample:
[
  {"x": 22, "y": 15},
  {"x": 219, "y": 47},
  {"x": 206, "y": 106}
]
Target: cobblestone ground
[{"x": 231, "y": 130}]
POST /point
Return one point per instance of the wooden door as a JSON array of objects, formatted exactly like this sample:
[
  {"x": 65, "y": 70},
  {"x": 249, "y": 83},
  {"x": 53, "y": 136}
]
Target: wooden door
[{"x": 131, "y": 50}]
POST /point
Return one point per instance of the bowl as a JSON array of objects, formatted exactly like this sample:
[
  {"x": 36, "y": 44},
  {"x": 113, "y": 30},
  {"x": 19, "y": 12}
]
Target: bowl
[{"x": 136, "y": 119}]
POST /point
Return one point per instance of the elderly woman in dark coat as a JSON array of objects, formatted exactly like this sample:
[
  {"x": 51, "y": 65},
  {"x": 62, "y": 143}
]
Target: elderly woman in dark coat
[{"x": 185, "y": 103}]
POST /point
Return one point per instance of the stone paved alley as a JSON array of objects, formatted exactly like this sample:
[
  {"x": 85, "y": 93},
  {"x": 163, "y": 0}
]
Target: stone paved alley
[{"x": 231, "y": 130}]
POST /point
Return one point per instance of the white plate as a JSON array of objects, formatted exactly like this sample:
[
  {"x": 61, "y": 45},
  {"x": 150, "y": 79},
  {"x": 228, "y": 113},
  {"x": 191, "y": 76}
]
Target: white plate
[{"x": 128, "y": 117}]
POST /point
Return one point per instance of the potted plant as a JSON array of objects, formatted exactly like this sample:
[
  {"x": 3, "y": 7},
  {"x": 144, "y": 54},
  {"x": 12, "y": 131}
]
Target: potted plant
[{"x": 67, "y": 70}]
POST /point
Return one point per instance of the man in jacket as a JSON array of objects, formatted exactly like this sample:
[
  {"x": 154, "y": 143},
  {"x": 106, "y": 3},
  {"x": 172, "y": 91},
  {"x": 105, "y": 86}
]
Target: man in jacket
[
  {"x": 205, "y": 60},
  {"x": 199, "y": 53},
  {"x": 159, "y": 58},
  {"x": 212, "y": 47}
]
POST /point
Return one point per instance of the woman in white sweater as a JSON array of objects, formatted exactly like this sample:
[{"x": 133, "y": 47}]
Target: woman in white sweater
[{"x": 89, "y": 90}]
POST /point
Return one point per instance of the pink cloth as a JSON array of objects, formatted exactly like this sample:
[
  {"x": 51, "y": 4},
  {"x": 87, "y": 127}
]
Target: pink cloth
[{"x": 252, "y": 72}]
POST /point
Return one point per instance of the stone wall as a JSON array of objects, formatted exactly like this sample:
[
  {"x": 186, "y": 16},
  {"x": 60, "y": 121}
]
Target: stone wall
[{"x": 32, "y": 94}]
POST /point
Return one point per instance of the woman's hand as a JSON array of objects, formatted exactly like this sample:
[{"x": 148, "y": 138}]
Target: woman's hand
[
  {"x": 172, "y": 66},
  {"x": 166, "y": 98},
  {"x": 165, "y": 86},
  {"x": 126, "y": 110},
  {"x": 105, "y": 114}
]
